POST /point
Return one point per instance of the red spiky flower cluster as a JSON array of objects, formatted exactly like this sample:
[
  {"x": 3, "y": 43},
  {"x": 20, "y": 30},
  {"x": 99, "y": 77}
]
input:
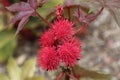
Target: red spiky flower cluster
[{"x": 59, "y": 45}]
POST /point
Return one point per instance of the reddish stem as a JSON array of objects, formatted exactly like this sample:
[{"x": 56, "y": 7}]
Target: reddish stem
[
  {"x": 67, "y": 77},
  {"x": 83, "y": 26},
  {"x": 73, "y": 71},
  {"x": 60, "y": 75},
  {"x": 47, "y": 22},
  {"x": 69, "y": 14},
  {"x": 79, "y": 11}
]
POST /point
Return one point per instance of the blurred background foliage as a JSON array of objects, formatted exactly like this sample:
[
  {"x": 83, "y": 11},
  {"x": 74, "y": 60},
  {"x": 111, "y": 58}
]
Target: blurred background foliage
[
  {"x": 7, "y": 39},
  {"x": 26, "y": 72},
  {"x": 31, "y": 32}
]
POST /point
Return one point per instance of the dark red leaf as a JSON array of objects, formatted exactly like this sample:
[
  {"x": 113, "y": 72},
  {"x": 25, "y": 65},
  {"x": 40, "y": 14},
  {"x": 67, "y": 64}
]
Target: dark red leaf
[
  {"x": 113, "y": 3},
  {"x": 33, "y": 3},
  {"x": 114, "y": 8},
  {"x": 80, "y": 15},
  {"x": 19, "y": 16},
  {"x": 22, "y": 6},
  {"x": 25, "y": 10},
  {"x": 22, "y": 23},
  {"x": 5, "y": 2},
  {"x": 86, "y": 18}
]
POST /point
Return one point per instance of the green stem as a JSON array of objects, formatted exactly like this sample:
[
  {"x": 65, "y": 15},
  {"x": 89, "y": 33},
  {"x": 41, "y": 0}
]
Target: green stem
[{"x": 47, "y": 22}]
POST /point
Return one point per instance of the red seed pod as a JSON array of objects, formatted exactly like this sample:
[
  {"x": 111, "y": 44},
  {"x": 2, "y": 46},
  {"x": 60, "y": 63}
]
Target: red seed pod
[{"x": 59, "y": 11}]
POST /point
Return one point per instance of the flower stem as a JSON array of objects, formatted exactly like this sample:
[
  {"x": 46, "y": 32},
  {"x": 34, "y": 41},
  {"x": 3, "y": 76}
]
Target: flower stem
[
  {"x": 67, "y": 77},
  {"x": 47, "y": 22},
  {"x": 81, "y": 28},
  {"x": 60, "y": 75},
  {"x": 69, "y": 14}
]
